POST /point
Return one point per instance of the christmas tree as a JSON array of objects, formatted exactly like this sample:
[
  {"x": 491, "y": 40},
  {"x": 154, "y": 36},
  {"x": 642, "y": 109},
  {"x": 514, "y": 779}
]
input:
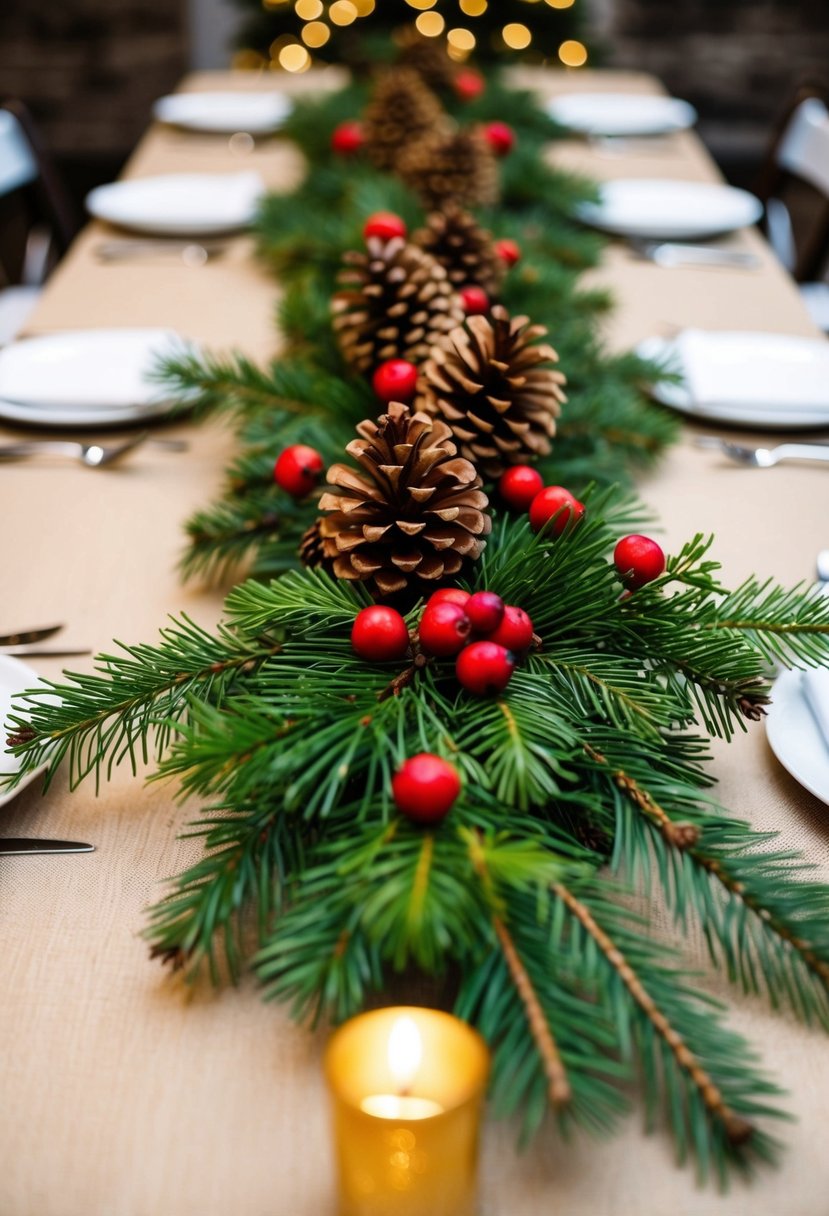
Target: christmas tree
[{"x": 293, "y": 34}]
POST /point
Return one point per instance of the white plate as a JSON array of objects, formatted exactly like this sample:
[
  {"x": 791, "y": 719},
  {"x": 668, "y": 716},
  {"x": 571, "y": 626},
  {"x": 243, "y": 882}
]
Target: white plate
[
  {"x": 85, "y": 377},
  {"x": 794, "y": 737},
  {"x": 225, "y": 113},
  {"x": 180, "y": 204},
  {"x": 670, "y": 210},
  {"x": 621, "y": 113},
  {"x": 15, "y": 677},
  {"x": 747, "y": 378}
]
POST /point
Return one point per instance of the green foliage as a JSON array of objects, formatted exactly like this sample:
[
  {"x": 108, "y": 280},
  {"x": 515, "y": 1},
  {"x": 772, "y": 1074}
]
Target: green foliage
[{"x": 592, "y": 762}]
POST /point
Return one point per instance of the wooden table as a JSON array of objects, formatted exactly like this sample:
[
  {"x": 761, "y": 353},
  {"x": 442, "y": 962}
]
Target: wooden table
[{"x": 123, "y": 1094}]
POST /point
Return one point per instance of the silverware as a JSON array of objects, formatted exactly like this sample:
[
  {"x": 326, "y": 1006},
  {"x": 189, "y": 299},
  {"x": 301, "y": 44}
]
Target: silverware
[
  {"x": 35, "y": 651},
  {"x": 191, "y": 253},
  {"x": 676, "y": 253},
  {"x": 25, "y": 636},
  {"x": 13, "y": 846},
  {"x": 93, "y": 455},
  {"x": 618, "y": 144},
  {"x": 765, "y": 458}
]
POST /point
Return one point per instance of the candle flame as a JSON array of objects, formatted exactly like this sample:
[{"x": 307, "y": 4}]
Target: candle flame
[{"x": 405, "y": 1052}]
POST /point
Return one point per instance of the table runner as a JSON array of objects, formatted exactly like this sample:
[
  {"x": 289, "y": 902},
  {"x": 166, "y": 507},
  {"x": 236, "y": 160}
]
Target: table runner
[{"x": 125, "y": 1093}]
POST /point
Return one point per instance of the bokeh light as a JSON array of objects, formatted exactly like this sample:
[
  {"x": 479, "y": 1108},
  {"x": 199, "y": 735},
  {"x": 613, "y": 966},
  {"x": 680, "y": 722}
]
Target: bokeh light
[
  {"x": 294, "y": 58},
  {"x": 461, "y": 39},
  {"x": 308, "y": 10},
  {"x": 516, "y": 35},
  {"x": 315, "y": 33},
  {"x": 572, "y": 54},
  {"x": 430, "y": 24},
  {"x": 343, "y": 12},
  {"x": 473, "y": 8}
]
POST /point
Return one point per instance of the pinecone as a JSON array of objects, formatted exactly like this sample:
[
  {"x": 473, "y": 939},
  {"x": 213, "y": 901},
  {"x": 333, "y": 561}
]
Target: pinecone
[
  {"x": 411, "y": 513},
  {"x": 450, "y": 168},
  {"x": 311, "y": 548},
  {"x": 395, "y": 302},
  {"x": 488, "y": 382},
  {"x": 401, "y": 111},
  {"x": 427, "y": 57},
  {"x": 455, "y": 239}
]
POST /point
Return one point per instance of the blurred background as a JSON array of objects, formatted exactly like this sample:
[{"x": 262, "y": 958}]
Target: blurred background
[{"x": 90, "y": 69}]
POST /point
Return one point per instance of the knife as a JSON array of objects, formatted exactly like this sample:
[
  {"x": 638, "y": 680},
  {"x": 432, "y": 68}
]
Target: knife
[
  {"x": 18, "y": 845},
  {"x": 27, "y": 636},
  {"x": 35, "y": 651}
]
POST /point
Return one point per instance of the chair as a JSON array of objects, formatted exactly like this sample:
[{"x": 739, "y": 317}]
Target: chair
[
  {"x": 795, "y": 189},
  {"x": 36, "y": 218}
]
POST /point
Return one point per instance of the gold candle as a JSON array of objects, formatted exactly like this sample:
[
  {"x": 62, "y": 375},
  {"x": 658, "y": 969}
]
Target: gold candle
[{"x": 407, "y": 1086}]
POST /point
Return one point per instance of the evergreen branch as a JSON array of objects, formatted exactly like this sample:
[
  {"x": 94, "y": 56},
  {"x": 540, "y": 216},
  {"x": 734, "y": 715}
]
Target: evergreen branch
[{"x": 737, "y": 1129}]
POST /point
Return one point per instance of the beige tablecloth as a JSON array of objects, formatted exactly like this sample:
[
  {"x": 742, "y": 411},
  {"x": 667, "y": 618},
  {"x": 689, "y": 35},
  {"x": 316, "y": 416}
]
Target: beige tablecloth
[{"x": 124, "y": 1096}]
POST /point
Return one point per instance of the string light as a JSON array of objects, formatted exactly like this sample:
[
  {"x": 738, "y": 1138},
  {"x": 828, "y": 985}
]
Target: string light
[
  {"x": 560, "y": 3},
  {"x": 308, "y": 10},
  {"x": 517, "y": 36},
  {"x": 294, "y": 58},
  {"x": 430, "y": 24},
  {"x": 364, "y": 7},
  {"x": 315, "y": 33},
  {"x": 421, "y": 4},
  {"x": 572, "y": 54},
  {"x": 473, "y": 8},
  {"x": 461, "y": 39},
  {"x": 342, "y": 12}
]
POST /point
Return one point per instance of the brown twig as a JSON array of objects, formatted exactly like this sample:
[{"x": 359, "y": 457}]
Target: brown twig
[
  {"x": 395, "y": 686},
  {"x": 737, "y": 1129},
  {"x": 679, "y": 835}
]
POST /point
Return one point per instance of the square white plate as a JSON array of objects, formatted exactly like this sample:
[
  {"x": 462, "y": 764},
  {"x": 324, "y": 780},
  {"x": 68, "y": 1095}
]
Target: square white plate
[
  {"x": 744, "y": 377},
  {"x": 180, "y": 204},
  {"x": 621, "y": 113},
  {"x": 665, "y": 209},
  {"x": 225, "y": 113}
]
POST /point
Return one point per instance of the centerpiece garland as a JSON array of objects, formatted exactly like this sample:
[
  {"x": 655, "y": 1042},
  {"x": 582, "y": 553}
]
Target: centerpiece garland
[{"x": 474, "y": 726}]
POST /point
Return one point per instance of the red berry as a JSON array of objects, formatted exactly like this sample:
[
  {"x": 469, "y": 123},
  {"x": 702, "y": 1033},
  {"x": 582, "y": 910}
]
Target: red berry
[
  {"x": 384, "y": 224},
  {"x": 347, "y": 139},
  {"x": 469, "y": 84},
  {"x": 395, "y": 380},
  {"x": 452, "y": 595},
  {"x": 519, "y": 485},
  {"x": 379, "y": 634},
  {"x": 515, "y": 631},
  {"x": 485, "y": 610},
  {"x": 500, "y": 138},
  {"x": 555, "y": 504},
  {"x": 638, "y": 560},
  {"x": 474, "y": 301},
  {"x": 297, "y": 469},
  {"x": 444, "y": 628},
  {"x": 508, "y": 251},
  {"x": 484, "y": 668},
  {"x": 424, "y": 787}
]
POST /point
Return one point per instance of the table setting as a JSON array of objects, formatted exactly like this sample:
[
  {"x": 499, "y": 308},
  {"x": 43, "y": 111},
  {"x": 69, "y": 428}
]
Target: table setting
[{"x": 499, "y": 882}]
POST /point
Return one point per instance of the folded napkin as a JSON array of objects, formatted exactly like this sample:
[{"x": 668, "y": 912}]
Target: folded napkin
[
  {"x": 754, "y": 372},
  {"x": 815, "y": 686}
]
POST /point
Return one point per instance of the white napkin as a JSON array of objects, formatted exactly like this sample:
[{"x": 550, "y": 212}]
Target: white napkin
[
  {"x": 180, "y": 202},
  {"x": 754, "y": 372},
  {"x": 815, "y": 686}
]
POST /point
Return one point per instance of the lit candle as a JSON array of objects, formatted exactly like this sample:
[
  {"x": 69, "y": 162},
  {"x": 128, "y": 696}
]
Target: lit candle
[{"x": 407, "y": 1087}]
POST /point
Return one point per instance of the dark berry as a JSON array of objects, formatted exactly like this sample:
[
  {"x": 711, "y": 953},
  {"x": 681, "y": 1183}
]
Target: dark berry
[
  {"x": 454, "y": 595},
  {"x": 519, "y": 485},
  {"x": 485, "y": 610},
  {"x": 515, "y": 631},
  {"x": 638, "y": 560},
  {"x": 424, "y": 787},
  {"x": 297, "y": 470},
  {"x": 347, "y": 139},
  {"x": 500, "y": 138},
  {"x": 508, "y": 251},
  {"x": 444, "y": 628},
  {"x": 554, "y": 506},
  {"x": 484, "y": 668},
  {"x": 474, "y": 301},
  {"x": 395, "y": 380},
  {"x": 384, "y": 224},
  {"x": 379, "y": 634}
]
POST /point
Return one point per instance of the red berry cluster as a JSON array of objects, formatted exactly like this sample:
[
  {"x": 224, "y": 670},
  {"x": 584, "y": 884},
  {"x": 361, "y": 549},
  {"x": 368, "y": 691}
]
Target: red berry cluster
[{"x": 482, "y": 633}]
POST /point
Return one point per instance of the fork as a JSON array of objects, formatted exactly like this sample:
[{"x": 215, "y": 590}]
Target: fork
[
  {"x": 93, "y": 455},
  {"x": 765, "y": 458},
  {"x": 677, "y": 253}
]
